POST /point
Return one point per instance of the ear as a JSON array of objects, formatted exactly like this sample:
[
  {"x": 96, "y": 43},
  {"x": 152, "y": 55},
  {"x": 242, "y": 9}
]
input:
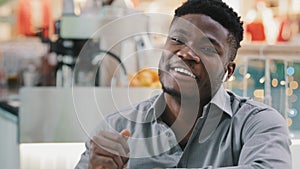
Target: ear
[{"x": 231, "y": 67}]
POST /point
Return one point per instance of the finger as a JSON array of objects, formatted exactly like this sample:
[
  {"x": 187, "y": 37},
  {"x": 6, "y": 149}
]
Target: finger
[
  {"x": 103, "y": 162},
  {"x": 100, "y": 151},
  {"x": 125, "y": 133},
  {"x": 113, "y": 147},
  {"x": 116, "y": 137},
  {"x": 106, "y": 146}
]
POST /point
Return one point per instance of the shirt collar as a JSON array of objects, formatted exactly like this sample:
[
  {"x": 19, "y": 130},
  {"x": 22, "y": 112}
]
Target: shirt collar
[
  {"x": 221, "y": 99},
  {"x": 156, "y": 109}
]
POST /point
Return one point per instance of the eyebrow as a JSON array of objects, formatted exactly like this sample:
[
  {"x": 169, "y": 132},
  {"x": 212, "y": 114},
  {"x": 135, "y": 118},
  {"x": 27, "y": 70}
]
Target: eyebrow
[
  {"x": 210, "y": 40},
  {"x": 205, "y": 39},
  {"x": 183, "y": 32}
]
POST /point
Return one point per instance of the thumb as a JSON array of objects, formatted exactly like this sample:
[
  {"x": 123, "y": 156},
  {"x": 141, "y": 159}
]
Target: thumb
[{"x": 125, "y": 133}]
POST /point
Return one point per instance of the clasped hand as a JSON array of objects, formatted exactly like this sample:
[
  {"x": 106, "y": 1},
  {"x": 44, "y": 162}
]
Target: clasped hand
[{"x": 109, "y": 150}]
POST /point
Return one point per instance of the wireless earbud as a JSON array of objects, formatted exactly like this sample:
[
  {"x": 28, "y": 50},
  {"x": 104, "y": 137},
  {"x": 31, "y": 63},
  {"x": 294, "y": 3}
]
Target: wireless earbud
[{"x": 225, "y": 76}]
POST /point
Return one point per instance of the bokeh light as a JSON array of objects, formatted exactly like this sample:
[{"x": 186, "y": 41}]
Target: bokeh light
[
  {"x": 289, "y": 92},
  {"x": 294, "y": 85},
  {"x": 248, "y": 76},
  {"x": 262, "y": 80},
  {"x": 292, "y": 113},
  {"x": 289, "y": 122},
  {"x": 290, "y": 78},
  {"x": 293, "y": 98},
  {"x": 290, "y": 71},
  {"x": 274, "y": 82},
  {"x": 259, "y": 93}
]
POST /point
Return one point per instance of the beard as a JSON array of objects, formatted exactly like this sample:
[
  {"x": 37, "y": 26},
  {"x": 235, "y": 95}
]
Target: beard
[
  {"x": 182, "y": 95},
  {"x": 171, "y": 92}
]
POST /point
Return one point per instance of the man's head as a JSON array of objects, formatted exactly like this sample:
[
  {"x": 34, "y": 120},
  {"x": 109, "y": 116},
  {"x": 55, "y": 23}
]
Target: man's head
[
  {"x": 220, "y": 12},
  {"x": 202, "y": 43}
]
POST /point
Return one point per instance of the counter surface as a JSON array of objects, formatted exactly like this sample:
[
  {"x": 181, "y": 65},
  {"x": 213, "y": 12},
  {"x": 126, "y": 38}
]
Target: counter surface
[{"x": 70, "y": 114}]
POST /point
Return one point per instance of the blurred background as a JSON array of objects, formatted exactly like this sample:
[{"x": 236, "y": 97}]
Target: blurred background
[{"x": 60, "y": 60}]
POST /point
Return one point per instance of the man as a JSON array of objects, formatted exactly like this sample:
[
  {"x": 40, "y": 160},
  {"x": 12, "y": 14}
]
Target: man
[{"x": 195, "y": 122}]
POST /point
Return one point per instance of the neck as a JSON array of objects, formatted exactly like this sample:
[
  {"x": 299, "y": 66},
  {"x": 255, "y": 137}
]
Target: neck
[
  {"x": 181, "y": 115},
  {"x": 182, "y": 108}
]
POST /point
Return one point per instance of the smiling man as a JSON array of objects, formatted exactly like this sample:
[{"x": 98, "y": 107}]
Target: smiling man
[{"x": 194, "y": 122}]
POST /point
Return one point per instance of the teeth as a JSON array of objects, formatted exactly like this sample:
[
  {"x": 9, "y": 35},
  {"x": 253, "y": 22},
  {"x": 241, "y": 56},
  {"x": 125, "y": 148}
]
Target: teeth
[{"x": 184, "y": 71}]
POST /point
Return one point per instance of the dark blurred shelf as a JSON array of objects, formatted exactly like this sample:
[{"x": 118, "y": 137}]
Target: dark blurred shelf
[{"x": 9, "y": 108}]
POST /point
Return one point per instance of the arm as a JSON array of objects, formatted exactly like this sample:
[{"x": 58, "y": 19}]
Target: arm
[
  {"x": 105, "y": 150},
  {"x": 266, "y": 143}
]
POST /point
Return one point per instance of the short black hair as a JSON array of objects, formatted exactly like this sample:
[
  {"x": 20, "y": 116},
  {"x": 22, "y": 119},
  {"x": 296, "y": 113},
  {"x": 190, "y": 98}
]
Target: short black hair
[{"x": 220, "y": 12}]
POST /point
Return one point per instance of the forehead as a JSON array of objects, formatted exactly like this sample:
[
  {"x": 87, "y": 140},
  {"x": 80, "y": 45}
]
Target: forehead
[{"x": 199, "y": 25}]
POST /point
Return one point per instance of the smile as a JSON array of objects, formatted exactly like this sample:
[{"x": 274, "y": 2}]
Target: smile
[{"x": 185, "y": 72}]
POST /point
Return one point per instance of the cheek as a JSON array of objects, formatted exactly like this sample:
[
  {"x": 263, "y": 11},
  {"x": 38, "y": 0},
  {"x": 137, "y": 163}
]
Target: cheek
[
  {"x": 212, "y": 76},
  {"x": 213, "y": 67},
  {"x": 214, "y": 71},
  {"x": 162, "y": 65},
  {"x": 164, "y": 60},
  {"x": 163, "y": 70},
  {"x": 167, "y": 81}
]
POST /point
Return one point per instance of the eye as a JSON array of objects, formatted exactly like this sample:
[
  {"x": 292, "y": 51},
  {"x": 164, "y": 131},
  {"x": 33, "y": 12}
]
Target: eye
[
  {"x": 177, "y": 40},
  {"x": 208, "y": 50}
]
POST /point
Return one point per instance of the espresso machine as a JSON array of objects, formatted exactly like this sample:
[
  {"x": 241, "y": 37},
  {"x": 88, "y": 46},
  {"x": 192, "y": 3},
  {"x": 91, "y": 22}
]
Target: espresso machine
[{"x": 94, "y": 43}]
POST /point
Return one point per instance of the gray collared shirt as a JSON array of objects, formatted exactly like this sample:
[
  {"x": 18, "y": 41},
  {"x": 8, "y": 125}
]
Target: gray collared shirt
[{"x": 233, "y": 132}]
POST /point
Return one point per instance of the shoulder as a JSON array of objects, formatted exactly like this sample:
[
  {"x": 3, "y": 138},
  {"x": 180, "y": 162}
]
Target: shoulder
[
  {"x": 256, "y": 117},
  {"x": 248, "y": 107}
]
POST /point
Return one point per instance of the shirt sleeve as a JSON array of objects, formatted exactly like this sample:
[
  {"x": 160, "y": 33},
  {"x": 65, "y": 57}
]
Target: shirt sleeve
[
  {"x": 265, "y": 138},
  {"x": 84, "y": 159},
  {"x": 266, "y": 141},
  {"x": 85, "y": 156}
]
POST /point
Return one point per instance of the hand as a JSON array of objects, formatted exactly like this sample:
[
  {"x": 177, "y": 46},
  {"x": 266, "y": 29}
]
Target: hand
[{"x": 109, "y": 150}]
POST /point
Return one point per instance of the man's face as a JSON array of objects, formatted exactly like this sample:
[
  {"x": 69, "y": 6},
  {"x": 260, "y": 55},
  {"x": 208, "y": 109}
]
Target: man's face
[{"x": 195, "y": 57}]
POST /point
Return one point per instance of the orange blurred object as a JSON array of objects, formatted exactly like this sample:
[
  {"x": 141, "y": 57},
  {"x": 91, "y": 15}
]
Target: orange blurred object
[
  {"x": 256, "y": 30},
  {"x": 288, "y": 29},
  {"x": 135, "y": 3},
  {"x": 27, "y": 18},
  {"x": 145, "y": 78}
]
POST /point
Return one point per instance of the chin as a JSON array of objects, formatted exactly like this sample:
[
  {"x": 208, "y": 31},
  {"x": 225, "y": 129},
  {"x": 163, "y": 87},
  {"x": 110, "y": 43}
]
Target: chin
[
  {"x": 172, "y": 87},
  {"x": 171, "y": 91},
  {"x": 179, "y": 94}
]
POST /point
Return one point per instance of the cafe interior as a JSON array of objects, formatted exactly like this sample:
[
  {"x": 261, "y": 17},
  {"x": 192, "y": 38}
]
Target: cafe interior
[{"x": 65, "y": 64}]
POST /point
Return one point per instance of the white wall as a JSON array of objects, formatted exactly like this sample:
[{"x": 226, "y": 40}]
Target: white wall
[
  {"x": 9, "y": 147},
  {"x": 50, "y": 156},
  {"x": 296, "y": 153}
]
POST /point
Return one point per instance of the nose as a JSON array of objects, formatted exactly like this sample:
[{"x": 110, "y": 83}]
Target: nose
[{"x": 186, "y": 53}]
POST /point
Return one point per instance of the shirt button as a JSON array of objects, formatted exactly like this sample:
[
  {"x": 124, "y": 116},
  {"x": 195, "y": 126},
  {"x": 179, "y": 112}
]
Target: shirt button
[{"x": 168, "y": 134}]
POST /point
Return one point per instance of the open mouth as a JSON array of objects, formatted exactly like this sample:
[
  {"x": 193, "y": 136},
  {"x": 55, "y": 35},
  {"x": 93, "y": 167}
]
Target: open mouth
[{"x": 185, "y": 72}]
